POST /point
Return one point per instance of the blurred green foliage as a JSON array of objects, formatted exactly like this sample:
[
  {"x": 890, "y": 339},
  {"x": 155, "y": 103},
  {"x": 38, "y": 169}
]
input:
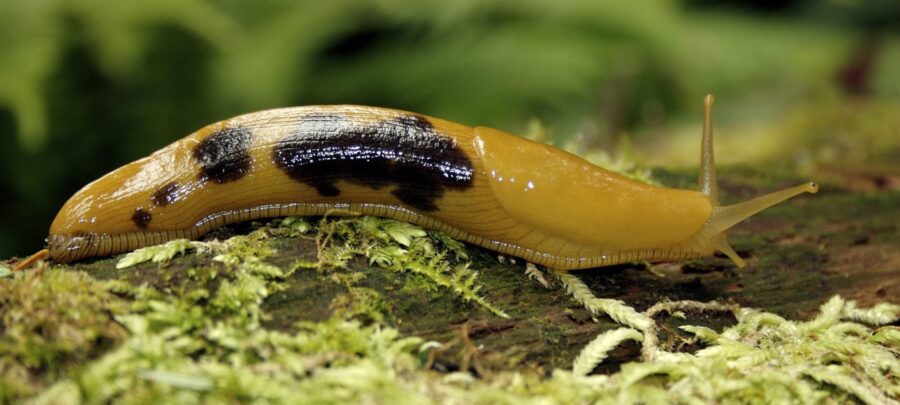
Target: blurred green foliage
[{"x": 87, "y": 85}]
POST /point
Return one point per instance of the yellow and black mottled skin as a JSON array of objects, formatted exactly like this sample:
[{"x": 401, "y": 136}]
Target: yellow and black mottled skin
[{"x": 478, "y": 184}]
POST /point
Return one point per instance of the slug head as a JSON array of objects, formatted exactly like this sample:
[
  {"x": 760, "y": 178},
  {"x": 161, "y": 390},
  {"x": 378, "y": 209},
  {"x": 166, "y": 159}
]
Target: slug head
[{"x": 134, "y": 198}]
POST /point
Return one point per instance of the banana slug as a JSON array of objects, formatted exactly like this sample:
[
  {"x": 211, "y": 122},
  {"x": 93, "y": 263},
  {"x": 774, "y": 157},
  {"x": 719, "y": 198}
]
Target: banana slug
[{"x": 480, "y": 185}]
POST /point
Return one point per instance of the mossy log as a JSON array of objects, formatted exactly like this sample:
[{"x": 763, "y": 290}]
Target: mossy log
[{"x": 799, "y": 254}]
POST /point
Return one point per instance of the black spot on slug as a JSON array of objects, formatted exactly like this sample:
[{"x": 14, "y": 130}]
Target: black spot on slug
[
  {"x": 224, "y": 155},
  {"x": 417, "y": 122},
  {"x": 141, "y": 218},
  {"x": 405, "y": 152},
  {"x": 166, "y": 194}
]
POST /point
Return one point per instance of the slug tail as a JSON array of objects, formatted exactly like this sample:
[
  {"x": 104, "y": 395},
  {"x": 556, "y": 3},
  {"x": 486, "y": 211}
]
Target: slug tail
[{"x": 725, "y": 217}]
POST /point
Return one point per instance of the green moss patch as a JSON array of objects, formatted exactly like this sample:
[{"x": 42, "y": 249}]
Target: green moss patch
[{"x": 208, "y": 332}]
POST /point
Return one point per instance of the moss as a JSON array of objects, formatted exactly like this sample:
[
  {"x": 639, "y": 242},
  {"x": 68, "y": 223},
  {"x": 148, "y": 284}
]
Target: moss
[
  {"x": 433, "y": 259},
  {"x": 52, "y": 321},
  {"x": 764, "y": 358},
  {"x": 328, "y": 310},
  {"x": 203, "y": 337},
  {"x": 361, "y": 303},
  {"x": 156, "y": 254}
]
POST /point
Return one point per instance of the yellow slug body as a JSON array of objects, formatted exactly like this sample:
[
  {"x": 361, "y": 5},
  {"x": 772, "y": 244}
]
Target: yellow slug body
[
  {"x": 562, "y": 194},
  {"x": 479, "y": 184}
]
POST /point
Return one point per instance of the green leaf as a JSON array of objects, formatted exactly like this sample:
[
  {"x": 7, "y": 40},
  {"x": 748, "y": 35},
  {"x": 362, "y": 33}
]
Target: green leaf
[
  {"x": 403, "y": 232},
  {"x": 178, "y": 380},
  {"x": 597, "y": 350},
  {"x": 703, "y": 333},
  {"x": 157, "y": 254}
]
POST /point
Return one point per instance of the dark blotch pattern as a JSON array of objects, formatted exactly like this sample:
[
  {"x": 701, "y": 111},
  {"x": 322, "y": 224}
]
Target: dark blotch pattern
[
  {"x": 166, "y": 194},
  {"x": 416, "y": 122},
  {"x": 141, "y": 218},
  {"x": 224, "y": 155},
  {"x": 405, "y": 152}
]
